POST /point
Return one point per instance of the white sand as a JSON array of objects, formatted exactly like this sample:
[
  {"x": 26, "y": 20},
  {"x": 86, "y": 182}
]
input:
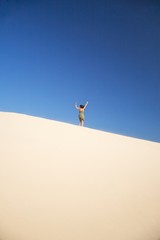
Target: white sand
[{"x": 64, "y": 182}]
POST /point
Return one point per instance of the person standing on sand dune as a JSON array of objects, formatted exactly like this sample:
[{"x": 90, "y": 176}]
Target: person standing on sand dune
[{"x": 81, "y": 109}]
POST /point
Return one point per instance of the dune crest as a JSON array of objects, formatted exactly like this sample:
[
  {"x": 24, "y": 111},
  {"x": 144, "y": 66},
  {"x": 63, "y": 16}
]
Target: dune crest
[{"x": 63, "y": 182}]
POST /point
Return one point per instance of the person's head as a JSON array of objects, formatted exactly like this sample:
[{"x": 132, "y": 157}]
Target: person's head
[{"x": 81, "y": 106}]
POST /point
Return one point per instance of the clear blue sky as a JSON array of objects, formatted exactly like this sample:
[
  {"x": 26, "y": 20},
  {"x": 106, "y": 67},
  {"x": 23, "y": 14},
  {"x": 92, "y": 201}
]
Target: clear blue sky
[{"x": 54, "y": 53}]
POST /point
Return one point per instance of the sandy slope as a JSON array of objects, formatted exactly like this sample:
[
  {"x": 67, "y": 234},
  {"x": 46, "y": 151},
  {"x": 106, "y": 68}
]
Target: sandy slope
[{"x": 64, "y": 182}]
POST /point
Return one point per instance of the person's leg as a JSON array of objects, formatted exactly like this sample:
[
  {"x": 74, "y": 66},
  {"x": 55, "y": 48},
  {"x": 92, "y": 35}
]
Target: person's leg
[{"x": 82, "y": 123}]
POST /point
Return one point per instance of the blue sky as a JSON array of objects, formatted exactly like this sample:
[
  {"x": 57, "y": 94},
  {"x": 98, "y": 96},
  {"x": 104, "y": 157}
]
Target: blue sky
[{"x": 54, "y": 53}]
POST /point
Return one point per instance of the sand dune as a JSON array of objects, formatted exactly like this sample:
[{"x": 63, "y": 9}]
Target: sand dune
[{"x": 64, "y": 182}]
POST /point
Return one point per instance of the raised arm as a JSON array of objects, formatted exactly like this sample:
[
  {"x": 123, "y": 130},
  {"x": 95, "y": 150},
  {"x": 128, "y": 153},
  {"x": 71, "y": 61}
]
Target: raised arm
[
  {"x": 86, "y": 105},
  {"x": 76, "y": 106}
]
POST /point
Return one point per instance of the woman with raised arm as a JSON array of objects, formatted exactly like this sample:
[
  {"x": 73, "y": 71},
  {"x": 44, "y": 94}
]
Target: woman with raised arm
[{"x": 81, "y": 109}]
